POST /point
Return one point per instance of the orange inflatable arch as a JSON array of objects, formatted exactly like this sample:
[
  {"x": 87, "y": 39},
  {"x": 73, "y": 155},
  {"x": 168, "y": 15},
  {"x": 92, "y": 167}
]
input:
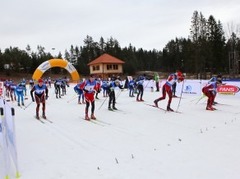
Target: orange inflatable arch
[{"x": 55, "y": 63}]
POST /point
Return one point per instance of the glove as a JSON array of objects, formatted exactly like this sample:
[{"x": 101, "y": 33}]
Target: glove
[
  {"x": 33, "y": 100},
  {"x": 86, "y": 91},
  {"x": 46, "y": 97}
]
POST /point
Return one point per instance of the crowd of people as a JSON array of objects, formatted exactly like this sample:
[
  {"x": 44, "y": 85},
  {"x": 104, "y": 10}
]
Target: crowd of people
[{"x": 87, "y": 91}]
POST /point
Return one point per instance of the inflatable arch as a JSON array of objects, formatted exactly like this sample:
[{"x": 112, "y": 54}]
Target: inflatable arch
[{"x": 55, "y": 63}]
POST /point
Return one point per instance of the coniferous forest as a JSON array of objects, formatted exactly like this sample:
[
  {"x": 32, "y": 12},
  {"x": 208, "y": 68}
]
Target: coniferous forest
[{"x": 206, "y": 50}]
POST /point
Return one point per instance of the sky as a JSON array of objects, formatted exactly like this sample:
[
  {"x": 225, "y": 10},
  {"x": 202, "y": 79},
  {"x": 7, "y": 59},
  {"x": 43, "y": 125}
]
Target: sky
[
  {"x": 135, "y": 142},
  {"x": 144, "y": 24}
]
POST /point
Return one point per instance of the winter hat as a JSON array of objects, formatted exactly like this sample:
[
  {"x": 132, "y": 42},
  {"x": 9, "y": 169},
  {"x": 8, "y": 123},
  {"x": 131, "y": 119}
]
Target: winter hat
[
  {"x": 117, "y": 81},
  {"x": 179, "y": 74},
  {"x": 40, "y": 81}
]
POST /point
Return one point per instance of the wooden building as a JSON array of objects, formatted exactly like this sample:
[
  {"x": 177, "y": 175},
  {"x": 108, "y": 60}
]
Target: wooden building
[{"x": 105, "y": 66}]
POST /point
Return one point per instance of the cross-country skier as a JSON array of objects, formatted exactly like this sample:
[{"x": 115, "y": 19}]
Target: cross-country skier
[
  {"x": 12, "y": 88},
  {"x": 23, "y": 84},
  {"x": 167, "y": 88},
  {"x": 210, "y": 91},
  {"x": 212, "y": 80},
  {"x": 156, "y": 79},
  {"x": 174, "y": 86},
  {"x": 89, "y": 87},
  {"x": 79, "y": 91},
  {"x": 111, "y": 94},
  {"x": 31, "y": 83},
  {"x": 57, "y": 86},
  {"x": 98, "y": 81},
  {"x": 140, "y": 88},
  {"x": 40, "y": 95},
  {"x": 19, "y": 92},
  {"x": 131, "y": 86},
  {"x": 104, "y": 87}
]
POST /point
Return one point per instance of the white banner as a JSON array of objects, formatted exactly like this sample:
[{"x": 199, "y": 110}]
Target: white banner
[
  {"x": 9, "y": 125},
  {"x": 8, "y": 142},
  {"x": 191, "y": 87},
  {"x": 4, "y": 157}
]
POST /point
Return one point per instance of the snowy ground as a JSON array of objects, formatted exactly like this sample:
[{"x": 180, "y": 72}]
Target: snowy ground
[{"x": 135, "y": 142}]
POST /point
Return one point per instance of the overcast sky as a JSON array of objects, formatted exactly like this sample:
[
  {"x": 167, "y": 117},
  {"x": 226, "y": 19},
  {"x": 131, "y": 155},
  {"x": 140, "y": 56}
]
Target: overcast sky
[{"x": 147, "y": 24}]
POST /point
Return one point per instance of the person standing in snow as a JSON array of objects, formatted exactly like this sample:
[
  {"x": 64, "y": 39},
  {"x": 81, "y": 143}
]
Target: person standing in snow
[
  {"x": 12, "y": 91},
  {"x": 89, "y": 87},
  {"x": 79, "y": 92},
  {"x": 140, "y": 88},
  {"x": 156, "y": 79},
  {"x": 19, "y": 91},
  {"x": 111, "y": 94},
  {"x": 98, "y": 81},
  {"x": 40, "y": 96},
  {"x": 104, "y": 87},
  {"x": 212, "y": 80},
  {"x": 131, "y": 86},
  {"x": 210, "y": 91},
  {"x": 57, "y": 86},
  {"x": 23, "y": 84},
  {"x": 167, "y": 88},
  {"x": 31, "y": 83},
  {"x": 174, "y": 86}
]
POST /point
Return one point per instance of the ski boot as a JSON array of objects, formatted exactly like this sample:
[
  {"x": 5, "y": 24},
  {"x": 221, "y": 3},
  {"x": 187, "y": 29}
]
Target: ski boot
[
  {"x": 37, "y": 116},
  {"x": 44, "y": 116},
  {"x": 169, "y": 109},
  {"x": 93, "y": 117},
  {"x": 209, "y": 108},
  {"x": 87, "y": 117}
]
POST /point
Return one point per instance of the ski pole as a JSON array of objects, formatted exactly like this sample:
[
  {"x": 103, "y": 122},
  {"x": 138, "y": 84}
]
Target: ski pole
[
  {"x": 119, "y": 92},
  {"x": 74, "y": 97},
  {"x": 28, "y": 105},
  {"x": 200, "y": 98},
  {"x": 103, "y": 102},
  {"x": 180, "y": 96}
]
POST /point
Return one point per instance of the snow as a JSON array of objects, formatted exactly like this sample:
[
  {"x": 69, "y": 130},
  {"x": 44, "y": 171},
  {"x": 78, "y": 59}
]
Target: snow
[{"x": 135, "y": 142}]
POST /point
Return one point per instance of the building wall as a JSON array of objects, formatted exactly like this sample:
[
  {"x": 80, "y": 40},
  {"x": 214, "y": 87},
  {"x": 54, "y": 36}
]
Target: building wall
[{"x": 106, "y": 69}]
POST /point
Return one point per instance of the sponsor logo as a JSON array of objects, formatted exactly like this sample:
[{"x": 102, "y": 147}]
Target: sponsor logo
[
  {"x": 188, "y": 90},
  {"x": 44, "y": 66},
  {"x": 228, "y": 89}
]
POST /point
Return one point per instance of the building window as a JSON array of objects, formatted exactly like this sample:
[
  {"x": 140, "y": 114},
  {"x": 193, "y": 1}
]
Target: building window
[
  {"x": 115, "y": 67},
  {"x": 112, "y": 67},
  {"x": 95, "y": 68},
  {"x": 109, "y": 67}
]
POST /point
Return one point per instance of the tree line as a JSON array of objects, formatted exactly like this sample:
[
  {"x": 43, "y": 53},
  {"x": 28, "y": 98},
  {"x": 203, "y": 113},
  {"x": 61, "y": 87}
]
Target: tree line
[{"x": 205, "y": 50}]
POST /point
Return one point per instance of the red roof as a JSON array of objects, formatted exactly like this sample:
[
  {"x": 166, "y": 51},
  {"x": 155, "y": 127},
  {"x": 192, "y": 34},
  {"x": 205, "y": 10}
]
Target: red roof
[{"x": 106, "y": 59}]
